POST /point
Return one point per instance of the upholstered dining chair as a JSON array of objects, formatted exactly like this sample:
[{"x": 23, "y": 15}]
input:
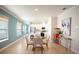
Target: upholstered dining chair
[
  {"x": 45, "y": 41},
  {"x": 38, "y": 43},
  {"x": 28, "y": 42}
]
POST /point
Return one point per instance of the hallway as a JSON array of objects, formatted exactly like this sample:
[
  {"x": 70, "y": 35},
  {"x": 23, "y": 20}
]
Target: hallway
[{"x": 20, "y": 48}]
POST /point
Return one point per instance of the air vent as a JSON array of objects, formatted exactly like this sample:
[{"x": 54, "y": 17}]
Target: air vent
[{"x": 64, "y": 8}]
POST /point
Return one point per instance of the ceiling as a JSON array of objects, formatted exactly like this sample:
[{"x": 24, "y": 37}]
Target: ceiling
[{"x": 26, "y": 12}]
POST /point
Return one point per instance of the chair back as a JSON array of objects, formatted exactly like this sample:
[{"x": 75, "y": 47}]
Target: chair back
[
  {"x": 31, "y": 37},
  {"x": 48, "y": 39},
  {"x": 38, "y": 41}
]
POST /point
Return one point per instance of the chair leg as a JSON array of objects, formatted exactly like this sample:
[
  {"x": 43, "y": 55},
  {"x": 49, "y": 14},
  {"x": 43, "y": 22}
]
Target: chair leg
[
  {"x": 27, "y": 46},
  {"x": 47, "y": 46},
  {"x": 33, "y": 50},
  {"x": 42, "y": 49}
]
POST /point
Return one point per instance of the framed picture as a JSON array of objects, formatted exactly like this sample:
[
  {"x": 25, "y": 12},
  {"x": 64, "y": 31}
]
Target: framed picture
[{"x": 66, "y": 26}]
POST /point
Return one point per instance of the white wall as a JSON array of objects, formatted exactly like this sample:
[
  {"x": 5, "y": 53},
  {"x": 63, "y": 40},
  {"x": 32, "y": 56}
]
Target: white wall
[
  {"x": 74, "y": 14},
  {"x": 54, "y": 23},
  {"x": 49, "y": 27},
  {"x": 51, "y": 24}
]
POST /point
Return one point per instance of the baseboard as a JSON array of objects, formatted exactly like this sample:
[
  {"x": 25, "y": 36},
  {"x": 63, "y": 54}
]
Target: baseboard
[
  {"x": 10, "y": 44},
  {"x": 75, "y": 51}
]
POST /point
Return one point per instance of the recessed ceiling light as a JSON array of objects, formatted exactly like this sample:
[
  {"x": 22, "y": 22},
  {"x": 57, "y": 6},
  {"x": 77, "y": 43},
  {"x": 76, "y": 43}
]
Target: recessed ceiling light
[{"x": 35, "y": 9}]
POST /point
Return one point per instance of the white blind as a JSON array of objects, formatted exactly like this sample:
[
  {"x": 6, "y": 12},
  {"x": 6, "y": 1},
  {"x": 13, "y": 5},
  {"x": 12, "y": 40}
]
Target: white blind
[{"x": 3, "y": 29}]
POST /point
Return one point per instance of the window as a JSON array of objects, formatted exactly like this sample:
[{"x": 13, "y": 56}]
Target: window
[
  {"x": 3, "y": 29},
  {"x": 19, "y": 30},
  {"x": 25, "y": 29}
]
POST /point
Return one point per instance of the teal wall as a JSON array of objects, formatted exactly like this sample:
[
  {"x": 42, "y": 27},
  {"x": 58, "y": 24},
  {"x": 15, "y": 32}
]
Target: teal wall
[{"x": 11, "y": 28}]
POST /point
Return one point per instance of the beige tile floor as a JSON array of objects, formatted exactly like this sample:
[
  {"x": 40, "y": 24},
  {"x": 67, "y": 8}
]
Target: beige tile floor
[{"x": 20, "y": 48}]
